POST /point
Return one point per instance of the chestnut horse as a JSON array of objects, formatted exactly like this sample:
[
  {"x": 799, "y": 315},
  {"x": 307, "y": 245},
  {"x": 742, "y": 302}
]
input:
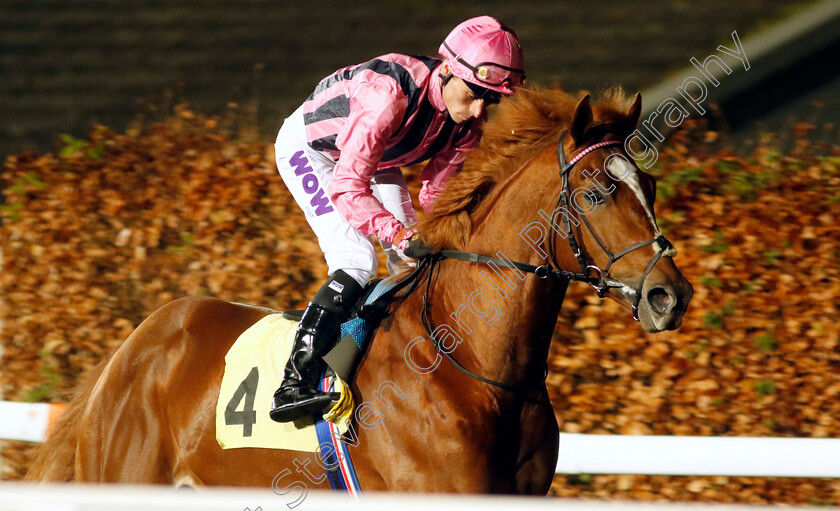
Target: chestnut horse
[{"x": 148, "y": 414}]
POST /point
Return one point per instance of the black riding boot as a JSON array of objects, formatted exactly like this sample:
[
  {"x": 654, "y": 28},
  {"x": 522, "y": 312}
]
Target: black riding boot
[{"x": 298, "y": 395}]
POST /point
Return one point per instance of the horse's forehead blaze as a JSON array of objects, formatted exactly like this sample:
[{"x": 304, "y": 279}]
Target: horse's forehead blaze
[{"x": 621, "y": 167}]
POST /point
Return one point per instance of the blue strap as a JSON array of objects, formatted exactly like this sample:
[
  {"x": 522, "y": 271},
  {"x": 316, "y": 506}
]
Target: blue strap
[{"x": 340, "y": 472}]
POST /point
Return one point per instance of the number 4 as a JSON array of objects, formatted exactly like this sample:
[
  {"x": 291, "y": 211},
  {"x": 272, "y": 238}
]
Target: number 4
[{"x": 247, "y": 417}]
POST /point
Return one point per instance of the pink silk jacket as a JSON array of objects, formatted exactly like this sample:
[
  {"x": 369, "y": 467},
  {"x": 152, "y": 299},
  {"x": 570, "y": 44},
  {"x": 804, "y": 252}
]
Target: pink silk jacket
[{"x": 388, "y": 112}]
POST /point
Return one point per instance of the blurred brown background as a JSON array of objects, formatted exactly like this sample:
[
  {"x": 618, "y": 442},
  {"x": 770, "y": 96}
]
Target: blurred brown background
[{"x": 114, "y": 222}]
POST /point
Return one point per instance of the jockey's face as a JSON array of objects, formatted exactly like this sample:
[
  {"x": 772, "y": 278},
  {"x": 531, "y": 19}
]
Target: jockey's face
[{"x": 461, "y": 103}]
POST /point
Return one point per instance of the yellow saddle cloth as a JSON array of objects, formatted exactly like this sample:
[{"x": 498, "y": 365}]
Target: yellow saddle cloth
[{"x": 253, "y": 371}]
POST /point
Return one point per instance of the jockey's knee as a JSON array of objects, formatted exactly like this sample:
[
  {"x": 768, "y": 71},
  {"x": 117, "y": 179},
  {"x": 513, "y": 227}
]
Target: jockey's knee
[
  {"x": 360, "y": 265},
  {"x": 360, "y": 276}
]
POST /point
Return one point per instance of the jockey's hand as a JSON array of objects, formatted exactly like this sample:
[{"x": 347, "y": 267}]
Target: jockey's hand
[{"x": 417, "y": 249}]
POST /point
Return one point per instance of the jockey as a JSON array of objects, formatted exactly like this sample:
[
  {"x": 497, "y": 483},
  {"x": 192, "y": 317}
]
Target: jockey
[{"x": 340, "y": 155}]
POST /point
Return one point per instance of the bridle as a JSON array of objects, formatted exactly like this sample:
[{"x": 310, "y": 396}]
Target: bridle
[{"x": 602, "y": 283}]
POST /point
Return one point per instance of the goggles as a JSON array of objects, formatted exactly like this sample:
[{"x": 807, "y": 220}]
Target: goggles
[
  {"x": 488, "y": 73},
  {"x": 489, "y": 96}
]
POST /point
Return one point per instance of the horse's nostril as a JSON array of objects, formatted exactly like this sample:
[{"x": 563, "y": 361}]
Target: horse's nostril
[{"x": 660, "y": 300}]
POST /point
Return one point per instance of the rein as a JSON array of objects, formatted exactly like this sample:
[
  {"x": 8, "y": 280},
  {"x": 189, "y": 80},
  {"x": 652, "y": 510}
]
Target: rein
[{"x": 550, "y": 270}]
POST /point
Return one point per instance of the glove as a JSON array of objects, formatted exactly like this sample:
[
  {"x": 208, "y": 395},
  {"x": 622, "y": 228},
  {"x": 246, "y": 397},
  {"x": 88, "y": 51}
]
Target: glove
[{"x": 417, "y": 249}]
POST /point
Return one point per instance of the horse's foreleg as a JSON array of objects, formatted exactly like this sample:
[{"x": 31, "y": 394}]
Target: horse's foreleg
[{"x": 539, "y": 439}]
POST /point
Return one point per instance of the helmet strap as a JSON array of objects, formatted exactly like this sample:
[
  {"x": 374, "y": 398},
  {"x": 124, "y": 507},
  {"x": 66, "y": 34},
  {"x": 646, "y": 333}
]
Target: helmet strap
[{"x": 444, "y": 79}]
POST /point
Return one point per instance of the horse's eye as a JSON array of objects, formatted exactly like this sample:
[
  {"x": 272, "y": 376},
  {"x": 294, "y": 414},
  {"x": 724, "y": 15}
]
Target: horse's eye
[{"x": 595, "y": 197}]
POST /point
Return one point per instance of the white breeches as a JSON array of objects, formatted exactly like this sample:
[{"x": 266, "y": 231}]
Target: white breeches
[{"x": 307, "y": 173}]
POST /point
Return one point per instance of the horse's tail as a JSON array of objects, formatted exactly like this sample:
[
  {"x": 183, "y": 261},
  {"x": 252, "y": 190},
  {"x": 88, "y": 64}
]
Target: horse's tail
[{"x": 55, "y": 459}]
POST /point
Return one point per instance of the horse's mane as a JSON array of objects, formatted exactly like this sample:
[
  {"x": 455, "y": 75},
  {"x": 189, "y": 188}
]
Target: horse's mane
[{"x": 524, "y": 125}]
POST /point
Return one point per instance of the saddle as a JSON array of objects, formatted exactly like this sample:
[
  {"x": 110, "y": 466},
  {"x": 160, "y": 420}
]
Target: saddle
[{"x": 254, "y": 368}]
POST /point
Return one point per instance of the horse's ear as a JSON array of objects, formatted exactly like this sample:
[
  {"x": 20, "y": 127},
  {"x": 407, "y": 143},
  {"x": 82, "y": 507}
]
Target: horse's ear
[
  {"x": 580, "y": 120},
  {"x": 635, "y": 111}
]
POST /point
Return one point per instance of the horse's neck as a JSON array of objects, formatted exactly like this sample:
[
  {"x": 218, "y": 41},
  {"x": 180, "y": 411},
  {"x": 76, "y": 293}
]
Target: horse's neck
[
  {"x": 517, "y": 341},
  {"x": 516, "y": 209},
  {"x": 504, "y": 318}
]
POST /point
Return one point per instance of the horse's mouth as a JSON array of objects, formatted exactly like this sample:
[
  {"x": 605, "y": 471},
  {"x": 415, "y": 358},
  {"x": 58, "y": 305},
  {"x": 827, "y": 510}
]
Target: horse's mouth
[{"x": 661, "y": 307}]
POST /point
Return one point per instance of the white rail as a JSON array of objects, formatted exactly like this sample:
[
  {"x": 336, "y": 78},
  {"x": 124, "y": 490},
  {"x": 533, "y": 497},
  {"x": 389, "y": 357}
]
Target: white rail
[
  {"x": 26, "y": 421},
  {"x": 692, "y": 455},
  {"x": 20, "y": 497},
  {"x": 597, "y": 454}
]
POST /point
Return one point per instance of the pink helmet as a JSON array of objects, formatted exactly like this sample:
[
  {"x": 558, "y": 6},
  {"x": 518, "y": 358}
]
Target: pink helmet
[{"x": 484, "y": 52}]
